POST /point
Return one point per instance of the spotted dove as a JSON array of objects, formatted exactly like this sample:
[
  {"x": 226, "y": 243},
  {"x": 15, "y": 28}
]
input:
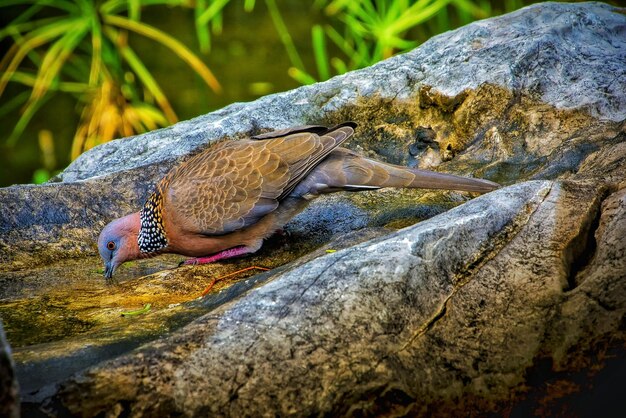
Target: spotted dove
[{"x": 226, "y": 200}]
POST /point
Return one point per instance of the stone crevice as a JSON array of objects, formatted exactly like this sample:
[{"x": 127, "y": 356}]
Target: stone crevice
[
  {"x": 284, "y": 310},
  {"x": 505, "y": 236},
  {"x": 582, "y": 248}
]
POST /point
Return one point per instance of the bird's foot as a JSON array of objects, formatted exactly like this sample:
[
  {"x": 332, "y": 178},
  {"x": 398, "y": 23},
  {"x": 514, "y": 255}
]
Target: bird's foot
[{"x": 229, "y": 253}]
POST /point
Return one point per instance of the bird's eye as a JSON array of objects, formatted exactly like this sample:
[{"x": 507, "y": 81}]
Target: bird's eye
[{"x": 111, "y": 245}]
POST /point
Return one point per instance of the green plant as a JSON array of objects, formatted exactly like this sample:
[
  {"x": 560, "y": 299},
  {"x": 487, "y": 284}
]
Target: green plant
[
  {"x": 81, "y": 47},
  {"x": 367, "y": 31}
]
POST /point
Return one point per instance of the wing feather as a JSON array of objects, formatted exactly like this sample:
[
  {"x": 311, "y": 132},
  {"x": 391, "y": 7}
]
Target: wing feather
[{"x": 234, "y": 183}]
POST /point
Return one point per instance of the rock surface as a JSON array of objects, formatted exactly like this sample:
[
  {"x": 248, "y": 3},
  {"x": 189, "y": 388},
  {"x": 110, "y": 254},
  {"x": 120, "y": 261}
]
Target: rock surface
[
  {"x": 452, "y": 328},
  {"x": 498, "y": 305},
  {"x": 9, "y": 391}
]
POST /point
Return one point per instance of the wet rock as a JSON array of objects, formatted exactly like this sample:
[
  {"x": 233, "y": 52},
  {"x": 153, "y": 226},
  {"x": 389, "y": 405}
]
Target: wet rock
[
  {"x": 441, "y": 318},
  {"x": 496, "y": 305}
]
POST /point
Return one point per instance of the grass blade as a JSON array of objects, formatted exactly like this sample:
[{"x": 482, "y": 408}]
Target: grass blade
[
  {"x": 202, "y": 31},
  {"x": 31, "y": 108},
  {"x": 342, "y": 43},
  {"x": 34, "y": 39},
  {"x": 415, "y": 17},
  {"x": 13, "y": 103},
  {"x": 248, "y": 5},
  {"x": 112, "y": 7},
  {"x": 68, "y": 6},
  {"x": 64, "y": 86},
  {"x": 284, "y": 35},
  {"x": 56, "y": 57},
  {"x": 473, "y": 10},
  {"x": 319, "y": 51},
  {"x": 339, "y": 66},
  {"x": 213, "y": 10},
  {"x": 173, "y": 44},
  {"x": 149, "y": 82},
  {"x": 300, "y": 76},
  {"x": 96, "y": 55},
  {"x": 134, "y": 10}
]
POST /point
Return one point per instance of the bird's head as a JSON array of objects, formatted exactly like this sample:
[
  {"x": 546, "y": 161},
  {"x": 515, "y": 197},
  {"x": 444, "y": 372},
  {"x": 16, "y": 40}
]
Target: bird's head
[{"x": 118, "y": 243}]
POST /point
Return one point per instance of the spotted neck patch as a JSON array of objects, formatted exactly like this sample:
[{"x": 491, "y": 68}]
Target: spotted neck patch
[{"x": 151, "y": 236}]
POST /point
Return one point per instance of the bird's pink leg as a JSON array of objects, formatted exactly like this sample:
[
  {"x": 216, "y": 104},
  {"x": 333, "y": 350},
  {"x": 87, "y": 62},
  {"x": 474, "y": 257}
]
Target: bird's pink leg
[{"x": 229, "y": 253}]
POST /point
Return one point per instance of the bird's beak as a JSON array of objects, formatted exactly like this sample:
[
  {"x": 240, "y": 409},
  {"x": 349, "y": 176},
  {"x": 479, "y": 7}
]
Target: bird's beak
[{"x": 108, "y": 270}]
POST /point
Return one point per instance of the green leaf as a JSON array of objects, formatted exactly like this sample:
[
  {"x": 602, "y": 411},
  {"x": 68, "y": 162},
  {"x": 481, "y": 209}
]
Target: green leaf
[
  {"x": 173, "y": 44},
  {"x": 339, "y": 66},
  {"x": 26, "y": 15},
  {"x": 341, "y": 42},
  {"x": 217, "y": 23},
  {"x": 213, "y": 10},
  {"x": 284, "y": 35},
  {"x": 336, "y": 6},
  {"x": 13, "y": 103},
  {"x": 149, "y": 82},
  {"x": 64, "y": 86},
  {"x": 20, "y": 28},
  {"x": 301, "y": 76},
  {"x": 112, "y": 7},
  {"x": 56, "y": 56},
  {"x": 473, "y": 10},
  {"x": 96, "y": 52},
  {"x": 31, "y": 108},
  {"x": 41, "y": 175},
  {"x": 150, "y": 117},
  {"x": 248, "y": 5},
  {"x": 202, "y": 30},
  {"x": 319, "y": 51},
  {"x": 443, "y": 20},
  {"x": 134, "y": 10},
  {"x": 59, "y": 4},
  {"x": 34, "y": 39},
  {"x": 417, "y": 15}
]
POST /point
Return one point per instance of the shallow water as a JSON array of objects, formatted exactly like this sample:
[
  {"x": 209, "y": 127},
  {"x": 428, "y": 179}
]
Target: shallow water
[{"x": 66, "y": 316}]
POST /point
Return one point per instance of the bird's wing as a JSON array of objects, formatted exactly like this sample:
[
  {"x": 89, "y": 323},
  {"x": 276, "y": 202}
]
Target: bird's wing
[
  {"x": 317, "y": 129},
  {"x": 235, "y": 183}
]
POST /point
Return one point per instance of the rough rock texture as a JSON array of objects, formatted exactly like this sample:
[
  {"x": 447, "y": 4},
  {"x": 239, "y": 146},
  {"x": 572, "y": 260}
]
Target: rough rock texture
[
  {"x": 532, "y": 93},
  {"x": 442, "y": 318},
  {"x": 513, "y": 302},
  {"x": 9, "y": 392}
]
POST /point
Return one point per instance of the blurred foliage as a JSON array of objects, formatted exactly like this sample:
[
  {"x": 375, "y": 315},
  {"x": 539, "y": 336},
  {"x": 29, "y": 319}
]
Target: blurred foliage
[
  {"x": 367, "y": 31},
  {"x": 82, "y": 48}
]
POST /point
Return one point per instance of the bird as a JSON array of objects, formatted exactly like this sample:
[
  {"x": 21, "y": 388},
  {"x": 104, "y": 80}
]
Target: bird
[{"x": 226, "y": 199}]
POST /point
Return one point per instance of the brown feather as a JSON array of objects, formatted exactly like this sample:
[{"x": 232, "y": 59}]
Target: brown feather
[{"x": 233, "y": 184}]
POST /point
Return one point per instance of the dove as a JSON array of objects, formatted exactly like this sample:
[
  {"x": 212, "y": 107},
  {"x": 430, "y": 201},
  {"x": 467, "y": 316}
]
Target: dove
[{"x": 226, "y": 200}]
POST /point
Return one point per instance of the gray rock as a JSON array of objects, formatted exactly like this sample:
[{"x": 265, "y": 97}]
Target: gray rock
[
  {"x": 9, "y": 391},
  {"x": 510, "y": 294},
  {"x": 405, "y": 324}
]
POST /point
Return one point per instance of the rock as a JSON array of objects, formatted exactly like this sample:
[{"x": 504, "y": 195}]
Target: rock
[
  {"x": 9, "y": 392},
  {"x": 442, "y": 318},
  {"x": 499, "y": 304}
]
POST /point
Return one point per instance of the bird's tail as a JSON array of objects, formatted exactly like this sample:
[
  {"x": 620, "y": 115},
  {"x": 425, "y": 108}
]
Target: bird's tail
[{"x": 345, "y": 170}]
